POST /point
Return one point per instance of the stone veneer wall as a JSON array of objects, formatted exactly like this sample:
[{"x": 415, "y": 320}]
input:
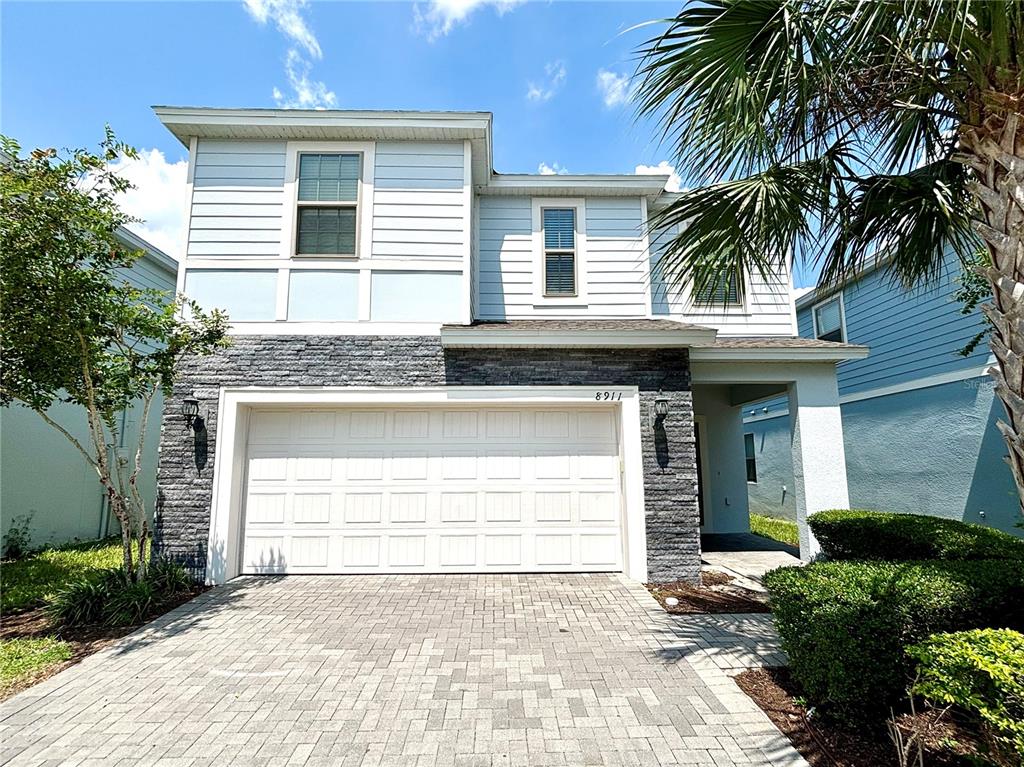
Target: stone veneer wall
[{"x": 669, "y": 459}]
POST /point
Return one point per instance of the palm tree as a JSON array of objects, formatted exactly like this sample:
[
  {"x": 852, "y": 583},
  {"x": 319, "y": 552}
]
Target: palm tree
[{"x": 842, "y": 131}]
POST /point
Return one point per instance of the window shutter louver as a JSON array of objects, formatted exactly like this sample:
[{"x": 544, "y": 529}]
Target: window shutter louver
[{"x": 559, "y": 226}]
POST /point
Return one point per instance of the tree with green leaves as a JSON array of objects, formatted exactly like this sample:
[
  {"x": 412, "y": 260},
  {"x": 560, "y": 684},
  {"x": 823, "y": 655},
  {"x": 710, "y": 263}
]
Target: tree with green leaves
[
  {"x": 73, "y": 329},
  {"x": 841, "y": 132}
]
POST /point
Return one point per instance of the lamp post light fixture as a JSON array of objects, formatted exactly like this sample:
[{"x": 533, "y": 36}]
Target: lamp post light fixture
[{"x": 190, "y": 409}]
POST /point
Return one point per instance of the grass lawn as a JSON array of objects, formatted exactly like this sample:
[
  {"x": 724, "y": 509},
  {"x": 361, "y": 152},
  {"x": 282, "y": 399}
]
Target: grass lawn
[
  {"x": 776, "y": 529},
  {"x": 26, "y": 583},
  {"x": 22, "y": 658}
]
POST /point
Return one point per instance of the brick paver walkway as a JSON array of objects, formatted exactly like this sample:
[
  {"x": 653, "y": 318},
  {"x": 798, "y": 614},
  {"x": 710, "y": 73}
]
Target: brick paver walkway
[{"x": 396, "y": 670}]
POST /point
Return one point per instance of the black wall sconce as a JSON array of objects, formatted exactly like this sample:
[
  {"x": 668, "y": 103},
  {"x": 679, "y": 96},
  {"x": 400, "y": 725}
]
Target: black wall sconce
[
  {"x": 197, "y": 425},
  {"x": 190, "y": 409},
  {"x": 661, "y": 405}
]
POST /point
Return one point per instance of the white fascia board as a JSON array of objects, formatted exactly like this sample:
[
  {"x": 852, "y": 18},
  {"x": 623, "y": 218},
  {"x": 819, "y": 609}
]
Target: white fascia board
[
  {"x": 575, "y": 185},
  {"x": 777, "y": 354},
  {"x": 575, "y": 339},
  {"x": 335, "y": 118},
  {"x": 152, "y": 252}
]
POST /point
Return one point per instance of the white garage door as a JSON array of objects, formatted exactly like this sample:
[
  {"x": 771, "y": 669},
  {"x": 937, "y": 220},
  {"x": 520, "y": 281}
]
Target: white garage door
[{"x": 432, "y": 490}]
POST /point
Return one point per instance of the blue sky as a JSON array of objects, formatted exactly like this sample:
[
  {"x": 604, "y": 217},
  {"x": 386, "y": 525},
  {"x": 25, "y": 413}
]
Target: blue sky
[{"x": 553, "y": 73}]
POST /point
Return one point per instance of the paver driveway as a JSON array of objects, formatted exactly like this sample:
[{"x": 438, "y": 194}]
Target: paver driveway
[{"x": 396, "y": 670}]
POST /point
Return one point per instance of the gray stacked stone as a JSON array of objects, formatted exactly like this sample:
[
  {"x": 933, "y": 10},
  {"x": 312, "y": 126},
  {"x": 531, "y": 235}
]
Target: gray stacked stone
[{"x": 669, "y": 458}]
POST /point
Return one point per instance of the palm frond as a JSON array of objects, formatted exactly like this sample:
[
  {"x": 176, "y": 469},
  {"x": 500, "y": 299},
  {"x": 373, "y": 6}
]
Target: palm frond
[{"x": 911, "y": 220}]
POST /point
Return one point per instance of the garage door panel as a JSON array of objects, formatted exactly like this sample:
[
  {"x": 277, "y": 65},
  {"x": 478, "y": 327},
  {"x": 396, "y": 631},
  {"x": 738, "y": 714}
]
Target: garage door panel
[{"x": 433, "y": 490}]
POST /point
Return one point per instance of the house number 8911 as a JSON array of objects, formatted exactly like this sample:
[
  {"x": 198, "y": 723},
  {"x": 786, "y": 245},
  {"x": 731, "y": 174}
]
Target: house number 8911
[{"x": 607, "y": 396}]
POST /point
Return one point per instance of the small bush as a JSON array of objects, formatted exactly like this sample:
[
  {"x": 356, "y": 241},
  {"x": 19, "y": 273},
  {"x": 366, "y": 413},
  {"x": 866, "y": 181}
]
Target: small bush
[
  {"x": 83, "y": 602},
  {"x": 855, "y": 534},
  {"x": 30, "y": 582},
  {"x": 17, "y": 541},
  {"x": 107, "y": 598},
  {"x": 845, "y": 624},
  {"x": 981, "y": 671}
]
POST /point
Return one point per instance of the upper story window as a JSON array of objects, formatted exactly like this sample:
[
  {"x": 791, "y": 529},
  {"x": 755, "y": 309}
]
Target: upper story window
[
  {"x": 829, "y": 320},
  {"x": 559, "y": 251},
  {"x": 722, "y": 293},
  {"x": 328, "y": 193}
]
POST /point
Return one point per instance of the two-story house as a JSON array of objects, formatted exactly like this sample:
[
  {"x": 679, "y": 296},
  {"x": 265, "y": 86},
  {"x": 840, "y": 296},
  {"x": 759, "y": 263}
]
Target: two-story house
[{"x": 437, "y": 368}]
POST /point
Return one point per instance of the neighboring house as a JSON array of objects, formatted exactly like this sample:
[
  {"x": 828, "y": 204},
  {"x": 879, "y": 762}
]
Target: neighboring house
[
  {"x": 919, "y": 418},
  {"x": 43, "y": 477},
  {"x": 439, "y": 368}
]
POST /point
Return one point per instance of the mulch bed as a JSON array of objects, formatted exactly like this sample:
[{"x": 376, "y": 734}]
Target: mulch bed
[
  {"x": 84, "y": 640},
  {"x": 825, "y": 744},
  {"x": 716, "y": 594}
]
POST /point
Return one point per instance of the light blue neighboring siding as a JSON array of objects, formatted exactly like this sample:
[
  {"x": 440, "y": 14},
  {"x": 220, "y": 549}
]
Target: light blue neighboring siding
[
  {"x": 912, "y": 333},
  {"x": 927, "y": 451},
  {"x": 237, "y": 198}
]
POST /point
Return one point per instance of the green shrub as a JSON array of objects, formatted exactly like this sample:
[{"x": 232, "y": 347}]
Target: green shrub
[
  {"x": 856, "y": 534},
  {"x": 29, "y": 582},
  {"x": 107, "y": 598},
  {"x": 845, "y": 624},
  {"x": 83, "y": 601},
  {"x": 981, "y": 671}
]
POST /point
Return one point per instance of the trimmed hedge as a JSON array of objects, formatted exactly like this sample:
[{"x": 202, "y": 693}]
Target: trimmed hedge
[
  {"x": 981, "y": 671},
  {"x": 845, "y": 624},
  {"x": 857, "y": 534}
]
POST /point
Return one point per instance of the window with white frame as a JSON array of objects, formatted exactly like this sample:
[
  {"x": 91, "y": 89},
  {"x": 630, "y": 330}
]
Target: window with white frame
[
  {"x": 559, "y": 232},
  {"x": 327, "y": 204},
  {"x": 724, "y": 292},
  {"x": 829, "y": 321}
]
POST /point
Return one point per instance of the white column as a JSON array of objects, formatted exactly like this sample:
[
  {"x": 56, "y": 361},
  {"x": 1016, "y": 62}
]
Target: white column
[{"x": 819, "y": 458}]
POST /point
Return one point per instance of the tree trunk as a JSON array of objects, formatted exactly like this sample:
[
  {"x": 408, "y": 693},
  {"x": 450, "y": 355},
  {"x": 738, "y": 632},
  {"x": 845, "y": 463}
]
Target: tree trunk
[{"x": 995, "y": 151}]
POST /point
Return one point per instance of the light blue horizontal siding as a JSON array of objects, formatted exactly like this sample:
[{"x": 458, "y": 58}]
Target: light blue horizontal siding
[
  {"x": 616, "y": 264},
  {"x": 912, "y": 333},
  {"x": 237, "y": 199},
  {"x": 505, "y": 258},
  {"x": 419, "y": 209}
]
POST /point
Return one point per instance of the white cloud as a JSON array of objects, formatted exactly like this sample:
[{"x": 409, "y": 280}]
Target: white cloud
[
  {"x": 555, "y": 77},
  {"x": 663, "y": 168},
  {"x": 436, "y": 18},
  {"x": 614, "y": 88},
  {"x": 308, "y": 94},
  {"x": 554, "y": 169},
  {"x": 287, "y": 16},
  {"x": 158, "y": 199}
]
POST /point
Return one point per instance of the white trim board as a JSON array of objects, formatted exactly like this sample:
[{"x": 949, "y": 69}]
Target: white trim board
[
  {"x": 928, "y": 382},
  {"x": 235, "y": 404}
]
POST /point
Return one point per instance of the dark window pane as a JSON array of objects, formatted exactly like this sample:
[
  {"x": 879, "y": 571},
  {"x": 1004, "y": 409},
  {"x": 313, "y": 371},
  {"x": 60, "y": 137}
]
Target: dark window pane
[
  {"x": 560, "y": 274},
  {"x": 327, "y": 231},
  {"x": 559, "y": 228},
  {"x": 835, "y": 335},
  {"x": 328, "y": 177},
  {"x": 722, "y": 293},
  {"x": 748, "y": 447}
]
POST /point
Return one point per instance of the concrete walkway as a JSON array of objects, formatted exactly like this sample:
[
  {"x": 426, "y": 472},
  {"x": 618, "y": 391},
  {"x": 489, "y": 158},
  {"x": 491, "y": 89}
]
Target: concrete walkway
[
  {"x": 396, "y": 670},
  {"x": 747, "y": 556}
]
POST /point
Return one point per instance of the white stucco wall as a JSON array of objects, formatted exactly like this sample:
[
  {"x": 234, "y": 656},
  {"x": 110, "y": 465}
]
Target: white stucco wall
[{"x": 724, "y": 461}]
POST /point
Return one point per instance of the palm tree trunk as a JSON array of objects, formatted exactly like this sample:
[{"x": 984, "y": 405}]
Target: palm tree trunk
[{"x": 994, "y": 149}]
